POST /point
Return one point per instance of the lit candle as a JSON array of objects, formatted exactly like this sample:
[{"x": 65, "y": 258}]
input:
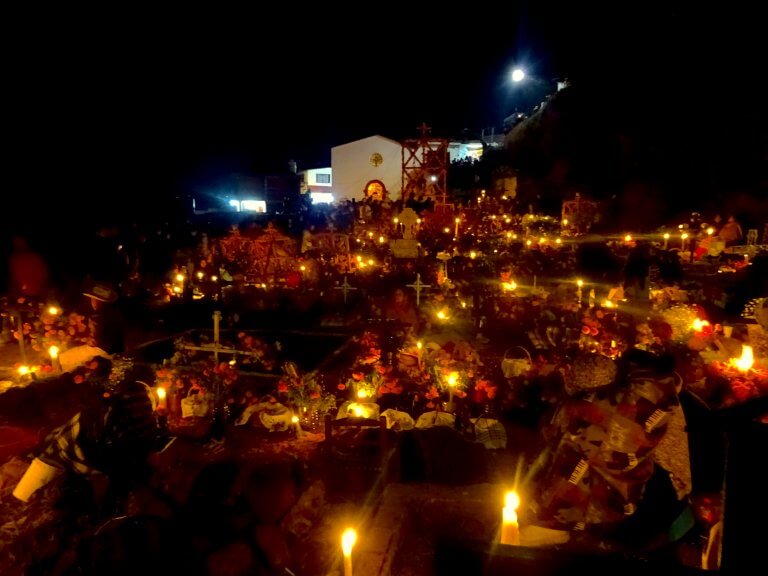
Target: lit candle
[
  {"x": 348, "y": 539},
  {"x": 510, "y": 529},
  {"x": 580, "y": 284},
  {"x": 419, "y": 352},
  {"x": 456, "y": 232},
  {"x": 162, "y": 399},
  {"x": 296, "y": 425},
  {"x": 53, "y": 351},
  {"x": 684, "y": 237},
  {"x": 592, "y": 298},
  {"x": 453, "y": 379},
  {"x": 666, "y": 240},
  {"x": 746, "y": 361}
]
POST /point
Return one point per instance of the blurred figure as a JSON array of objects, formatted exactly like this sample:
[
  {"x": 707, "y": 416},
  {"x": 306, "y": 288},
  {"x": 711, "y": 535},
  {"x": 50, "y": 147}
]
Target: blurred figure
[
  {"x": 731, "y": 233},
  {"x": 28, "y": 271},
  {"x": 107, "y": 322}
]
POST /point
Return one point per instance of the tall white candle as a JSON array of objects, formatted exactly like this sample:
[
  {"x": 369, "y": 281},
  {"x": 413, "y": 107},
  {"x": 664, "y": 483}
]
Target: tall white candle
[
  {"x": 510, "y": 529},
  {"x": 348, "y": 539}
]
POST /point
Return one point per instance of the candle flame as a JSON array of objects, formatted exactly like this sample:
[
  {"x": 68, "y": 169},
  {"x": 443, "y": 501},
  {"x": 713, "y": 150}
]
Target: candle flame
[
  {"x": 511, "y": 500},
  {"x": 628, "y": 238},
  {"x": 161, "y": 393},
  {"x": 699, "y": 324},
  {"x": 295, "y": 419},
  {"x": 453, "y": 379},
  {"x": 419, "y": 345},
  {"x": 348, "y": 539},
  {"x": 666, "y": 236},
  {"x": 53, "y": 311},
  {"x": 362, "y": 394},
  {"x": 358, "y": 411},
  {"x": 509, "y": 285},
  {"x": 746, "y": 361},
  {"x": 179, "y": 277},
  {"x": 53, "y": 351},
  {"x": 579, "y": 282},
  {"x": 23, "y": 370},
  {"x": 200, "y": 275}
]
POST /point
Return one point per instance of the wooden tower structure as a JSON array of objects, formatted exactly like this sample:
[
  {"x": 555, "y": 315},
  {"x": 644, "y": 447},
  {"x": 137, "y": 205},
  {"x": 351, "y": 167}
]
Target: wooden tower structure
[{"x": 425, "y": 167}]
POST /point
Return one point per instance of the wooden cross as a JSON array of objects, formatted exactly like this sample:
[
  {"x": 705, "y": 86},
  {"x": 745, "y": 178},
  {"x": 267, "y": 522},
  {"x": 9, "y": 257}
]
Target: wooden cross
[
  {"x": 418, "y": 285},
  {"x": 346, "y": 287}
]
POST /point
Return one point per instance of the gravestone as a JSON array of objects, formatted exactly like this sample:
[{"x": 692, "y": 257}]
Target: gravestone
[{"x": 407, "y": 246}]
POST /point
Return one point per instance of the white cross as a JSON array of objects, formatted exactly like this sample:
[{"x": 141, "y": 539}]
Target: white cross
[
  {"x": 346, "y": 287},
  {"x": 418, "y": 286}
]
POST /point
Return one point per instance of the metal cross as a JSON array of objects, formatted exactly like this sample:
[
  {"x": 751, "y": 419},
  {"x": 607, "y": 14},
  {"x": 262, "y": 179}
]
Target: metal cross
[
  {"x": 418, "y": 285},
  {"x": 346, "y": 287}
]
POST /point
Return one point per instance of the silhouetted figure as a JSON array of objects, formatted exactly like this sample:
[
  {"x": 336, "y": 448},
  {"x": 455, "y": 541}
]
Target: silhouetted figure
[{"x": 28, "y": 271}]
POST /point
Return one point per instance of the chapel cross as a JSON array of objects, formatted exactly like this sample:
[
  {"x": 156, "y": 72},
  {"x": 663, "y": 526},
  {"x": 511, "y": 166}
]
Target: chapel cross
[
  {"x": 346, "y": 287},
  {"x": 418, "y": 285}
]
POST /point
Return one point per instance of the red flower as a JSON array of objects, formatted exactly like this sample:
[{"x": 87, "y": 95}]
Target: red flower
[
  {"x": 282, "y": 387},
  {"x": 341, "y": 386},
  {"x": 79, "y": 379}
]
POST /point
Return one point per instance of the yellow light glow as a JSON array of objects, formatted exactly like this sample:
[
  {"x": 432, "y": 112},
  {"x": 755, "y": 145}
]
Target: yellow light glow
[
  {"x": 473, "y": 254},
  {"x": 381, "y": 239},
  {"x": 463, "y": 304},
  {"x": 53, "y": 311},
  {"x": 161, "y": 393},
  {"x": 453, "y": 379},
  {"x": 370, "y": 234},
  {"x": 359, "y": 258},
  {"x": 232, "y": 362},
  {"x": 565, "y": 221},
  {"x": 628, "y": 238},
  {"x": 418, "y": 220},
  {"x": 514, "y": 236},
  {"x": 699, "y": 324},
  {"x": 358, "y": 411},
  {"x": 370, "y": 261},
  {"x": 608, "y": 304},
  {"x": 395, "y": 219},
  {"x": 362, "y": 394},
  {"x": 679, "y": 226},
  {"x": 53, "y": 352},
  {"x": 666, "y": 236},
  {"x": 542, "y": 240},
  {"x": 579, "y": 282},
  {"x": 558, "y": 241},
  {"x": 509, "y": 285},
  {"x": 684, "y": 236},
  {"x": 447, "y": 230},
  {"x": 419, "y": 345},
  {"x": 179, "y": 277},
  {"x": 177, "y": 289},
  {"x": 509, "y": 234},
  {"x": 442, "y": 315},
  {"x": 200, "y": 275},
  {"x": 348, "y": 539},
  {"x": 511, "y": 500},
  {"x": 23, "y": 370},
  {"x": 746, "y": 361},
  {"x": 214, "y": 278},
  {"x": 710, "y": 230},
  {"x": 294, "y": 419},
  {"x": 528, "y": 242},
  {"x": 303, "y": 268}
]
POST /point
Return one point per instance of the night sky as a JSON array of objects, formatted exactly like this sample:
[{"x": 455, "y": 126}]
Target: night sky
[{"x": 121, "y": 107}]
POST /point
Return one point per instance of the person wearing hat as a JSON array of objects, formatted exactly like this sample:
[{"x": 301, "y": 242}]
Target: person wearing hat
[{"x": 107, "y": 321}]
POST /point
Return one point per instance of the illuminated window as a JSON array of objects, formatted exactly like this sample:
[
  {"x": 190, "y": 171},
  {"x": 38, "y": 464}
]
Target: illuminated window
[{"x": 322, "y": 178}]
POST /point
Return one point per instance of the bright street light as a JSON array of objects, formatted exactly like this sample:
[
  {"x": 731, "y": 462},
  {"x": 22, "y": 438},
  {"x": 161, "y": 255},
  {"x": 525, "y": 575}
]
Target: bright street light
[{"x": 518, "y": 75}]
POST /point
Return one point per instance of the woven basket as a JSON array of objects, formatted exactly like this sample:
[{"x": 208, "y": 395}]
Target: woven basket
[{"x": 516, "y": 362}]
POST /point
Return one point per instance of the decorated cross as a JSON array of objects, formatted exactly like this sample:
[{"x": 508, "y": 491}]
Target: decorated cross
[
  {"x": 418, "y": 285},
  {"x": 345, "y": 287}
]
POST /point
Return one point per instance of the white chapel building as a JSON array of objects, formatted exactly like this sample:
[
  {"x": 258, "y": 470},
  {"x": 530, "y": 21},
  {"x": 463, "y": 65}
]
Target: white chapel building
[{"x": 371, "y": 166}]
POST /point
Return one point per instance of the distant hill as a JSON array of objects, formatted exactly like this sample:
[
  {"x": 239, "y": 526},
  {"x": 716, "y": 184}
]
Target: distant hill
[{"x": 648, "y": 157}]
